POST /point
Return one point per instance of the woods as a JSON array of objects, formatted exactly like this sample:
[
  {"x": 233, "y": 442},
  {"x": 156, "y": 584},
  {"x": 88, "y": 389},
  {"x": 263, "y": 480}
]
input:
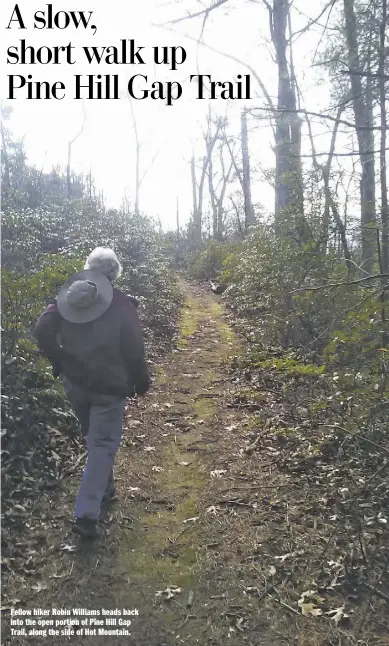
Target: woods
[
  {"x": 307, "y": 285},
  {"x": 265, "y": 308}
]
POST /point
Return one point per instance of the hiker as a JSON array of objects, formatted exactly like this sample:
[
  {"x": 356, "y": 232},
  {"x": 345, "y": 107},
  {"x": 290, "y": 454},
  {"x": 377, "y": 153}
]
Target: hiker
[{"x": 92, "y": 336}]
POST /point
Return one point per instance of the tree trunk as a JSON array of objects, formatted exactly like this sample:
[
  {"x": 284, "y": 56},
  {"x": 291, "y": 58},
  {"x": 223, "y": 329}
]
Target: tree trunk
[
  {"x": 248, "y": 205},
  {"x": 383, "y": 173},
  {"x": 178, "y": 235},
  {"x": 383, "y": 164},
  {"x": 362, "y": 102},
  {"x": 178, "y": 222},
  {"x": 70, "y": 144},
  {"x": 200, "y": 197},
  {"x": 137, "y": 161},
  {"x": 5, "y": 160},
  {"x": 238, "y": 221},
  {"x": 196, "y": 211},
  {"x": 68, "y": 171},
  {"x": 330, "y": 204},
  {"x": 198, "y": 189},
  {"x": 288, "y": 180},
  {"x": 212, "y": 194},
  {"x": 220, "y": 202}
]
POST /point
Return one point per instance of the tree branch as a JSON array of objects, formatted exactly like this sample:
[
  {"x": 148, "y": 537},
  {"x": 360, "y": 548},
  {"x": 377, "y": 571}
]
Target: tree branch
[
  {"x": 314, "y": 288},
  {"x": 313, "y": 21},
  {"x": 322, "y": 116},
  {"x": 377, "y": 75},
  {"x": 191, "y": 16}
]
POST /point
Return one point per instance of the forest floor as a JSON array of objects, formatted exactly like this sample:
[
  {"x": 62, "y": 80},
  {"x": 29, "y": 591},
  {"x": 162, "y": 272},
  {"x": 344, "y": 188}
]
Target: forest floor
[{"x": 209, "y": 540}]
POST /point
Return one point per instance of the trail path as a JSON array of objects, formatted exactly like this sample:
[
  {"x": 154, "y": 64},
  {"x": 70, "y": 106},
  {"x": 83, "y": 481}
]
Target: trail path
[{"x": 189, "y": 516}]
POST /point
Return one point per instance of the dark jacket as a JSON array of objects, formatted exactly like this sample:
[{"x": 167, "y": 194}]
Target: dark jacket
[{"x": 104, "y": 356}]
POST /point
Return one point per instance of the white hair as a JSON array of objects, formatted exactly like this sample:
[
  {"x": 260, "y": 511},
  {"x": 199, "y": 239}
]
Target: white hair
[{"x": 105, "y": 261}]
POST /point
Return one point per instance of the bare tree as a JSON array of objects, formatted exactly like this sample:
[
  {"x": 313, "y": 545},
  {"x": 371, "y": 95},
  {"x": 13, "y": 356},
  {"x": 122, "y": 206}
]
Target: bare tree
[
  {"x": 383, "y": 54},
  {"x": 178, "y": 235},
  {"x": 217, "y": 183},
  {"x": 198, "y": 186},
  {"x": 138, "y": 177},
  {"x": 288, "y": 173},
  {"x": 238, "y": 212},
  {"x": 137, "y": 160},
  {"x": 211, "y": 189},
  {"x": 363, "y": 112},
  {"x": 243, "y": 175},
  {"x": 4, "y": 151},
  {"x": 70, "y": 144},
  {"x": 246, "y": 177},
  {"x": 218, "y": 195},
  {"x": 330, "y": 204}
]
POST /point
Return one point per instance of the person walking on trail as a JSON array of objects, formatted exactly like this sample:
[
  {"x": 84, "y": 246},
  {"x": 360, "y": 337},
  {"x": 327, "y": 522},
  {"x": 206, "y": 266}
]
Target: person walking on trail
[{"x": 92, "y": 336}]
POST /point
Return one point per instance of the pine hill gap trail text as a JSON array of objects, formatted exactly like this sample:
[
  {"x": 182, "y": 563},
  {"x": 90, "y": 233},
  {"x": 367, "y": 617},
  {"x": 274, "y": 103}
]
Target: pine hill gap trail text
[{"x": 106, "y": 86}]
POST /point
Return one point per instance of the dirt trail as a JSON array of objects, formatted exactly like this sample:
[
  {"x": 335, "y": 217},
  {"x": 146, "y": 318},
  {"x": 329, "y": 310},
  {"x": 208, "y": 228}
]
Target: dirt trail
[{"x": 157, "y": 535}]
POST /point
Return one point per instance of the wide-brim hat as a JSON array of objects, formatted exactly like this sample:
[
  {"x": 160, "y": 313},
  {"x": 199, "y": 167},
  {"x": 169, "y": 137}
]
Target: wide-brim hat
[{"x": 85, "y": 296}]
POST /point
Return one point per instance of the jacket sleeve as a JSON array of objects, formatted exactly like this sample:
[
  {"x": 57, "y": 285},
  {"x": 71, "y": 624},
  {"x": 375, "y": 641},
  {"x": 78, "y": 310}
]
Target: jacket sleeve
[
  {"x": 46, "y": 330},
  {"x": 133, "y": 350}
]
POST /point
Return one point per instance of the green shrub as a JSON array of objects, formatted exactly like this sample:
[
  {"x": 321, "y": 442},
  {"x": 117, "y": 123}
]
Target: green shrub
[
  {"x": 336, "y": 330},
  {"x": 209, "y": 262}
]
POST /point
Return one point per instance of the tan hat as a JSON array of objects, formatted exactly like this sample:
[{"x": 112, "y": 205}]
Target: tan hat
[{"x": 85, "y": 296}]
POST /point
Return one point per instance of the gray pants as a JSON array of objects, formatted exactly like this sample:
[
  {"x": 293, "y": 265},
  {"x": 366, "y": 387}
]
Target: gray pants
[{"x": 101, "y": 419}]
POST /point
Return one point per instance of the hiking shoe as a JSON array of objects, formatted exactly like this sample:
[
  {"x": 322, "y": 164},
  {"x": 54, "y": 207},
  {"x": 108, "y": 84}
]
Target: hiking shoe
[{"x": 85, "y": 527}]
